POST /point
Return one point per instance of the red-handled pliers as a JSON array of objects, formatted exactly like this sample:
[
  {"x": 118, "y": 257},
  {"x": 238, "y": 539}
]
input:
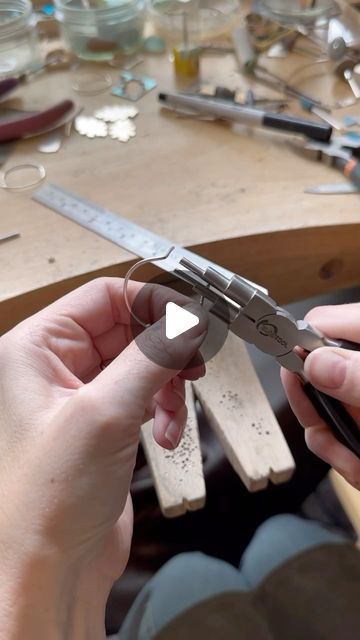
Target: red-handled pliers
[{"x": 29, "y": 124}]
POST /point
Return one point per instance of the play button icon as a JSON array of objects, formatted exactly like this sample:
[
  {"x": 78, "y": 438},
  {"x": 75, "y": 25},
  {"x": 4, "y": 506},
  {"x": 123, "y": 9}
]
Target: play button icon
[
  {"x": 171, "y": 312},
  {"x": 178, "y": 320}
]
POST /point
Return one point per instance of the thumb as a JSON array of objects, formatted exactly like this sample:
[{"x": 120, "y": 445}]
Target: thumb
[
  {"x": 336, "y": 372},
  {"x": 130, "y": 382}
]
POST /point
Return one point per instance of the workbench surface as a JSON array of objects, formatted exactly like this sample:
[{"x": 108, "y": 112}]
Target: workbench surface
[{"x": 232, "y": 194}]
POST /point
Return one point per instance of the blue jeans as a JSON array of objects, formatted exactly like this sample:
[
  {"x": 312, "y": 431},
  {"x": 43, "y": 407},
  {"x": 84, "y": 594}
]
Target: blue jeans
[{"x": 189, "y": 578}]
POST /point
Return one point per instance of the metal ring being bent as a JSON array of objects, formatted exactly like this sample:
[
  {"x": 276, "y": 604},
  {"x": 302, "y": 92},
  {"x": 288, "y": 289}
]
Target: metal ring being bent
[
  {"x": 136, "y": 266},
  {"x": 41, "y": 175}
]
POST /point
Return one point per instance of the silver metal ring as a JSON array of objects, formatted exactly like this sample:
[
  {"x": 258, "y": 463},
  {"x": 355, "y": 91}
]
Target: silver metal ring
[
  {"x": 136, "y": 266},
  {"x": 41, "y": 175}
]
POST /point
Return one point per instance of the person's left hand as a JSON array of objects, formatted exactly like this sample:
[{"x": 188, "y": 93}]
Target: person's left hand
[{"x": 70, "y": 431}]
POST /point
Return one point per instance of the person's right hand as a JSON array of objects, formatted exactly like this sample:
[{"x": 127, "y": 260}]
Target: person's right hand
[{"x": 336, "y": 372}]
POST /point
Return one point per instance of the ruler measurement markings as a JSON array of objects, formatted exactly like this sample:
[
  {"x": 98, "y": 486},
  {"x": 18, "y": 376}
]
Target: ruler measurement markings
[{"x": 121, "y": 231}]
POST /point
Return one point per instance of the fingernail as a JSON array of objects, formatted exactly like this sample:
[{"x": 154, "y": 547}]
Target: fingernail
[
  {"x": 197, "y": 310},
  {"x": 173, "y": 433},
  {"x": 326, "y": 368}
]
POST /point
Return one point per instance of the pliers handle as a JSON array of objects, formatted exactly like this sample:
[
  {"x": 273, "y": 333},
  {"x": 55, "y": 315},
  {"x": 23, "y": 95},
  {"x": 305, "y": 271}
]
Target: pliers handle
[
  {"x": 34, "y": 123},
  {"x": 350, "y": 168},
  {"x": 8, "y": 85},
  {"x": 341, "y": 152},
  {"x": 333, "y": 412}
]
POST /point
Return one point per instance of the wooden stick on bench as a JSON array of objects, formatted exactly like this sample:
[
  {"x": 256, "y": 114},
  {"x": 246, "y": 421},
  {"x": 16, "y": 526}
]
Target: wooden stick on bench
[
  {"x": 178, "y": 475},
  {"x": 239, "y": 412}
]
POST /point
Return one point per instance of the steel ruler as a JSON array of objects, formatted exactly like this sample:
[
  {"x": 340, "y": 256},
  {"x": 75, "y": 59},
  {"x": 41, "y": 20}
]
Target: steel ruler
[{"x": 126, "y": 234}]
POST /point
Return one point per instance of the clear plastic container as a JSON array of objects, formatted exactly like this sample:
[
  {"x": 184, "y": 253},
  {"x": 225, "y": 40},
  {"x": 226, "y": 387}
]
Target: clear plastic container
[
  {"x": 100, "y": 29},
  {"x": 292, "y": 11},
  {"x": 19, "y": 44},
  {"x": 207, "y": 19}
]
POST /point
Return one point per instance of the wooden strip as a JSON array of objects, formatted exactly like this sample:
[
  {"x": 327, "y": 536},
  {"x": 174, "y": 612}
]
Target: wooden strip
[
  {"x": 349, "y": 498},
  {"x": 275, "y": 259},
  {"x": 178, "y": 475},
  {"x": 239, "y": 412}
]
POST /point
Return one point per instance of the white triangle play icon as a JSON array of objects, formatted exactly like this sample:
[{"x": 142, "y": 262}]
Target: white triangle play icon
[{"x": 178, "y": 320}]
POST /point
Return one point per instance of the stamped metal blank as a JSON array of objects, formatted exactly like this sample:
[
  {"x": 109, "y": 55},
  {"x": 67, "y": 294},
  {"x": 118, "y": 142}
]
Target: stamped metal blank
[
  {"x": 116, "y": 112},
  {"x": 122, "y": 130},
  {"x": 91, "y": 127},
  {"x": 133, "y": 87}
]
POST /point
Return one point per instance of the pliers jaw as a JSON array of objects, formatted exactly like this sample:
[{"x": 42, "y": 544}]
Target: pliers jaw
[{"x": 254, "y": 316}]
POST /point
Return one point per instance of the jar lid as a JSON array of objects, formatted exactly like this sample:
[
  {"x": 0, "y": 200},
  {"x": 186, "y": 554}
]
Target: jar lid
[
  {"x": 10, "y": 12},
  {"x": 92, "y": 5},
  {"x": 14, "y": 15},
  {"x": 98, "y": 10}
]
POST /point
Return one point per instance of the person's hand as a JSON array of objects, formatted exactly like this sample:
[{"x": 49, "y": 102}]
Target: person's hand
[
  {"x": 337, "y": 373},
  {"x": 74, "y": 391}
]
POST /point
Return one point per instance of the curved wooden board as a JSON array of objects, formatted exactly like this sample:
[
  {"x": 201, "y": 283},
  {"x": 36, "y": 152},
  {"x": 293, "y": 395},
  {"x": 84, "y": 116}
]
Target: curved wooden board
[{"x": 292, "y": 264}]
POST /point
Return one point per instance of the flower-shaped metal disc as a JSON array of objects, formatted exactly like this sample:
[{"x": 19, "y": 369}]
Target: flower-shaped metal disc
[
  {"x": 116, "y": 112},
  {"x": 122, "y": 130},
  {"x": 91, "y": 127}
]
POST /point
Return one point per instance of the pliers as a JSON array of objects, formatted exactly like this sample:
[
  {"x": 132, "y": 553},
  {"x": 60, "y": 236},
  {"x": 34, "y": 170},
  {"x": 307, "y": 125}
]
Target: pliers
[
  {"x": 256, "y": 318},
  {"x": 340, "y": 153},
  {"x": 28, "y": 124}
]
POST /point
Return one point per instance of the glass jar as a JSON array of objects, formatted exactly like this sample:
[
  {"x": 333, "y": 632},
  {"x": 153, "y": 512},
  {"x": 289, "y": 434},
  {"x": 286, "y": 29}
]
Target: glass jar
[
  {"x": 19, "y": 44},
  {"x": 294, "y": 12},
  {"x": 207, "y": 19},
  {"x": 101, "y": 32}
]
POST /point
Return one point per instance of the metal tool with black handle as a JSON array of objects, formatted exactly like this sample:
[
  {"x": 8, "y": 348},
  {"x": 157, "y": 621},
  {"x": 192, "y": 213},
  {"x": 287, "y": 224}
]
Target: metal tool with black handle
[
  {"x": 248, "y": 116},
  {"x": 333, "y": 412},
  {"x": 350, "y": 168},
  {"x": 340, "y": 153},
  {"x": 256, "y": 318}
]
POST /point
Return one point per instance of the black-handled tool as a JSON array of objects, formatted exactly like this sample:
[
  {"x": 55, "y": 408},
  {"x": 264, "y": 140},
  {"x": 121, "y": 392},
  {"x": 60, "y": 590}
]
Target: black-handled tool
[
  {"x": 290, "y": 124},
  {"x": 333, "y": 412},
  {"x": 255, "y": 317},
  {"x": 341, "y": 152},
  {"x": 350, "y": 168},
  {"x": 248, "y": 116}
]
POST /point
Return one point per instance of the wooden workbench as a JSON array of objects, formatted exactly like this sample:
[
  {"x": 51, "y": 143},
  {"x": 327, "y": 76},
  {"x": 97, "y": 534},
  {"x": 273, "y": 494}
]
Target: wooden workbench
[{"x": 232, "y": 194}]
